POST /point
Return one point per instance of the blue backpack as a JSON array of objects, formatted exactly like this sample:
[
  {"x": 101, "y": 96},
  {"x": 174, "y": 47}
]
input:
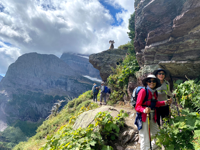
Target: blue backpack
[
  {"x": 106, "y": 90},
  {"x": 135, "y": 94}
]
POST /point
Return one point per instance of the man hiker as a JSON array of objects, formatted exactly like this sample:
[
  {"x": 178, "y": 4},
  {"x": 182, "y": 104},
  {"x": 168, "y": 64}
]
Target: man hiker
[
  {"x": 95, "y": 90},
  {"x": 145, "y": 106},
  {"x": 103, "y": 93},
  {"x": 163, "y": 93}
]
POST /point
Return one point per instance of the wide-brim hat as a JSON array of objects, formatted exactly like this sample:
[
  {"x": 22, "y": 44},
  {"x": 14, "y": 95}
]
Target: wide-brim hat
[
  {"x": 94, "y": 84},
  {"x": 151, "y": 76},
  {"x": 102, "y": 82},
  {"x": 158, "y": 70}
]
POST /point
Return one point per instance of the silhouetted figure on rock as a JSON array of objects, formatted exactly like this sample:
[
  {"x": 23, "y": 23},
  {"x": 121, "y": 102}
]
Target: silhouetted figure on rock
[{"x": 112, "y": 44}]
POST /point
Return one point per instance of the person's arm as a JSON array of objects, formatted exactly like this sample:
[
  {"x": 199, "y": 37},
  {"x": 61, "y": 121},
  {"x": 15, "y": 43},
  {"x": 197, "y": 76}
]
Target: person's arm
[{"x": 140, "y": 99}]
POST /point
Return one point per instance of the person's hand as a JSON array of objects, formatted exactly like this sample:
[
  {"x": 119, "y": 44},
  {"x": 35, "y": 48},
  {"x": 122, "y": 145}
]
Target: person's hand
[
  {"x": 169, "y": 101},
  {"x": 147, "y": 110}
]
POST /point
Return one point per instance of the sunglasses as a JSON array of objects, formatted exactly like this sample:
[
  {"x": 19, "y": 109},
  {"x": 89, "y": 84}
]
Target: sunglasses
[
  {"x": 149, "y": 81},
  {"x": 161, "y": 73}
]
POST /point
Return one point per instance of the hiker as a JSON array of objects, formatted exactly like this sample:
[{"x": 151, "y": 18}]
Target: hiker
[
  {"x": 103, "y": 93},
  {"x": 95, "y": 90},
  {"x": 163, "y": 93},
  {"x": 147, "y": 107}
]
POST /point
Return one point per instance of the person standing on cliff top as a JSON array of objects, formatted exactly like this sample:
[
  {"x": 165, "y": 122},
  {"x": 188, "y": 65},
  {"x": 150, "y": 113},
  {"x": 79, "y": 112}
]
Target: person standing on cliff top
[
  {"x": 103, "y": 94},
  {"x": 163, "y": 93}
]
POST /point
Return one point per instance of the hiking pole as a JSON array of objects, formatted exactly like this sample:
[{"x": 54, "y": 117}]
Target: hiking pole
[
  {"x": 149, "y": 130},
  {"x": 177, "y": 106}
]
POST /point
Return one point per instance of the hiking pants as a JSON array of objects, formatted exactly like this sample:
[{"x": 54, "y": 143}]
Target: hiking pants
[
  {"x": 103, "y": 95},
  {"x": 144, "y": 134},
  {"x": 95, "y": 97}
]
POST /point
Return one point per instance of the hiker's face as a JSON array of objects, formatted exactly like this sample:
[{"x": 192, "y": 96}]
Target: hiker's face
[
  {"x": 161, "y": 75},
  {"x": 151, "y": 83}
]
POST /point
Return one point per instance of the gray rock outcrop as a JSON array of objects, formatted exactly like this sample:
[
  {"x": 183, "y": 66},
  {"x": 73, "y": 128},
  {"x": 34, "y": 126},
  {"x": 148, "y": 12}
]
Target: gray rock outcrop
[
  {"x": 80, "y": 64},
  {"x": 107, "y": 59},
  {"x": 168, "y": 34},
  {"x": 1, "y": 77}
]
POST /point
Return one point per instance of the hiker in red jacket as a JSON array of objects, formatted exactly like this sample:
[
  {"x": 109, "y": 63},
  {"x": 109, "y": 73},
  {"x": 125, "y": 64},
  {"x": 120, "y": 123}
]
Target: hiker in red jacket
[{"x": 148, "y": 107}]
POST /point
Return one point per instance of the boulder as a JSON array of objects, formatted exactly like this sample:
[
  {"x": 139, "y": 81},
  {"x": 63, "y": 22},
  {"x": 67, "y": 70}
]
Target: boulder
[
  {"x": 107, "y": 60},
  {"x": 87, "y": 118}
]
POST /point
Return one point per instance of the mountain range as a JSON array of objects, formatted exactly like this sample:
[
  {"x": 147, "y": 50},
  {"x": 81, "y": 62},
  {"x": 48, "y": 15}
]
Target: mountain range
[{"x": 34, "y": 82}]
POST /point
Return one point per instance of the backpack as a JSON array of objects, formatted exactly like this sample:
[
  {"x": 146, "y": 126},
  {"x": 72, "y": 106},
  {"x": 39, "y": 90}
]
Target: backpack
[
  {"x": 109, "y": 91},
  {"x": 106, "y": 90},
  {"x": 135, "y": 94},
  {"x": 96, "y": 89}
]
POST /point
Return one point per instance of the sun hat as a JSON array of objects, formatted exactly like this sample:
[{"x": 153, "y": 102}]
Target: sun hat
[
  {"x": 151, "y": 76},
  {"x": 94, "y": 84},
  {"x": 158, "y": 70},
  {"x": 102, "y": 82}
]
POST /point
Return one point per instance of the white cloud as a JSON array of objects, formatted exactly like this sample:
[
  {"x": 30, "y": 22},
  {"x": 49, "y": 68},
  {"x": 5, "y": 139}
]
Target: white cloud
[
  {"x": 8, "y": 55},
  {"x": 57, "y": 26}
]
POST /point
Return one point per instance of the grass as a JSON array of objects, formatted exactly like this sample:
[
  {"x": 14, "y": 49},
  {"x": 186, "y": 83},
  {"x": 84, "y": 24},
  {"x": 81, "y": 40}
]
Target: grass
[{"x": 50, "y": 126}]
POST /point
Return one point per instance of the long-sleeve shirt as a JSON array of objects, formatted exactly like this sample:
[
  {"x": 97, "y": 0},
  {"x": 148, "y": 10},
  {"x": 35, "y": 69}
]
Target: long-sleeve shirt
[
  {"x": 164, "y": 91},
  {"x": 102, "y": 88},
  {"x": 141, "y": 104}
]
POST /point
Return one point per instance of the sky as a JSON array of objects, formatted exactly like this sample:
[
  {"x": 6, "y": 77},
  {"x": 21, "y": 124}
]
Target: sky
[{"x": 58, "y": 26}]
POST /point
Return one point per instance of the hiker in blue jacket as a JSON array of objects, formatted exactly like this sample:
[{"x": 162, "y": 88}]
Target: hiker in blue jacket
[
  {"x": 95, "y": 90},
  {"x": 103, "y": 93}
]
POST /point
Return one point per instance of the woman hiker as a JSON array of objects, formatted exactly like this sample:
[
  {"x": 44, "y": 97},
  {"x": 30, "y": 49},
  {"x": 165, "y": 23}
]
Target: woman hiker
[
  {"x": 163, "y": 93},
  {"x": 148, "y": 107}
]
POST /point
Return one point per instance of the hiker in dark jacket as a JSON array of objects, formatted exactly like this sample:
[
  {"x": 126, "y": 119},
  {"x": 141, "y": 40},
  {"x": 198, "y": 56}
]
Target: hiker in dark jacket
[
  {"x": 103, "y": 94},
  {"x": 95, "y": 90},
  {"x": 148, "y": 107},
  {"x": 163, "y": 93}
]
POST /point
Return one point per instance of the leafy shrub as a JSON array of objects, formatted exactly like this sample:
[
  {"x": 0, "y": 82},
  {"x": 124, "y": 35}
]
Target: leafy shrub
[
  {"x": 118, "y": 81},
  {"x": 189, "y": 95},
  {"x": 87, "y": 138},
  {"x": 183, "y": 132}
]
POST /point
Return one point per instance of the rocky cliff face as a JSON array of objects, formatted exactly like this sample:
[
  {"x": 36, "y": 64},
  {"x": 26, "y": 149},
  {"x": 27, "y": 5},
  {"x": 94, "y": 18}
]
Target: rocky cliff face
[
  {"x": 1, "y": 77},
  {"x": 105, "y": 60},
  {"x": 81, "y": 64},
  {"x": 168, "y": 35},
  {"x": 34, "y": 82}
]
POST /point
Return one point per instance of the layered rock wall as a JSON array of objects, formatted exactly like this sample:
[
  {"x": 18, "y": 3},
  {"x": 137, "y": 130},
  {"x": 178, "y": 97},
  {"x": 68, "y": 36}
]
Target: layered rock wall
[{"x": 168, "y": 36}]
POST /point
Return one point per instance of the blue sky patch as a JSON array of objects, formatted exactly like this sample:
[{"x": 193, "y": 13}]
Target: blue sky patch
[
  {"x": 1, "y": 8},
  {"x": 113, "y": 11},
  {"x": 8, "y": 44}
]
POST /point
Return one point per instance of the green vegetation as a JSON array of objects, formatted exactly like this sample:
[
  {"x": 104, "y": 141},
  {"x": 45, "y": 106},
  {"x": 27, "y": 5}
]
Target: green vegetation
[
  {"x": 183, "y": 132},
  {"x": 118, "y": 81},
  {"x": 24, "y": 101},
  {"x": 50, "y": 126},
  {"x": 96, "y": 136},
  {"x": 131, "y": 27}
]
